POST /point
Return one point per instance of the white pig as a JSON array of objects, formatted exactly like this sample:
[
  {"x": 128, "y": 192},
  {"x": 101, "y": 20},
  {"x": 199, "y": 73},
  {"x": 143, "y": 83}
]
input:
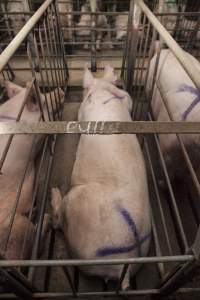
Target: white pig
[
  {"x": 169, "y": 21},
  {"x": 17, "y": 20},
  {"x": 13, "y": 169},
  {"x": 66, "y": 20},
  {"x": 86, "y": 21},
  {"x": 183, "y": 100},
  {"x": 106, "y": 212},
  {"x": 121, "y": 26}
]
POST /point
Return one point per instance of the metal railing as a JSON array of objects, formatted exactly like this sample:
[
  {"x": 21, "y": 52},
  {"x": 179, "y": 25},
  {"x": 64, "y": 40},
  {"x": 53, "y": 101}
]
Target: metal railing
[{"x": 175, "y": 256}]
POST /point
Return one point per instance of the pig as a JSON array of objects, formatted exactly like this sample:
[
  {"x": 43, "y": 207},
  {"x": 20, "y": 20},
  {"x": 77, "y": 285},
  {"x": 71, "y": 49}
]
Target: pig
[
  {"x": 105, "y": 214},
  {"x": 66, "y": 20},
  {"x": 13, "y": 169},
  {"x": 182, "y": 98},
  {"x": 86, "y": 21},
  {"x": 169, "y": 21},
  {"x": 121, "y": 26},
  {"x": 17, "y": 21}
]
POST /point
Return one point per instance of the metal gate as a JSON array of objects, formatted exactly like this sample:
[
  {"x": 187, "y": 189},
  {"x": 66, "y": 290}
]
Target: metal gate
[{"x": 174, "y": 257}]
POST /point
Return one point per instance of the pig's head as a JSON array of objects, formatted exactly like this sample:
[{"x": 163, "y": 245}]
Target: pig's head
[
  {"x": 17, "y": 94},
  {"x": 85, "y": 21},
  {"x": 105, "y": 87}
]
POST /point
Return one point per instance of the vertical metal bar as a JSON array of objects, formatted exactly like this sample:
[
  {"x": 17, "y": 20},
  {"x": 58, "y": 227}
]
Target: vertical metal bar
[
  {"x": 65, "y": 71},
  {"x": 47, "y": 77},
  {"x": 53, "y": 51},
  {"x": 41, "y": 214},
  {"x": 136, "y": 77},
  {"x": 162, "y": 215},
  {"x": 93, "y": 6},
  {"x": 133, "y": 49},
  {"x": 128, "y": 40},
  {"x": 36, "y": 186},
  {"x": 59, "y": 50},
  {"x": 67, "y": 274},
  {"x": 141, "y": 93},
  {"x": 14, "y": 209},
  {"x": 56, "y": 49},
  {"x": 183, "y": 240},
  {"x": 48, "y": 40}
]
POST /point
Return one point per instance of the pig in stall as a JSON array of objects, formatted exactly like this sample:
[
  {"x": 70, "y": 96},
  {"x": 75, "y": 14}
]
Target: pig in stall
[
  {"x": 168, "y": 7},
  {"x": 13, "y": 169},
  {"x": 86, "y": 21},
  {"x": 17, "y": 21},
  {"x": 105, "y": 214},
  {"x": 183, "y": 101},
  {"x": 121, "y": 22},
  {"x": 66, "y": 20}
]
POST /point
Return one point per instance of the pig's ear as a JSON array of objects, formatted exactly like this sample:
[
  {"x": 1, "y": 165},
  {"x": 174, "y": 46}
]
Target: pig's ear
[
  {"x": 12, "y": 89},
  {"x": 88, "y": 78},
  {"x": 109, "y": 74}
]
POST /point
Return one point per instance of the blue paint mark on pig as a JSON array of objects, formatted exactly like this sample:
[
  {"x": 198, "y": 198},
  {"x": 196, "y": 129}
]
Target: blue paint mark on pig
[
  {"x": 105, "y": 251},
  {"x": 192, "y": 90}
]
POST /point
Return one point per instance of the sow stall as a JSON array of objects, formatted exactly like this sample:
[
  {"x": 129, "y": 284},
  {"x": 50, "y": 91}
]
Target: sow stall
[{"x": 172, "y": 264}]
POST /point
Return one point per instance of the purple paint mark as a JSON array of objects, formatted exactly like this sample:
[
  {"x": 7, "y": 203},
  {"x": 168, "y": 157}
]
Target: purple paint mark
[
  {"x": 120, "y": 250},
  {"x": 7, "y": 118},
  {"x": 124, "y": 249},
  {"x": 193, "y": 91},
  {"x": 113, "y": 97}
]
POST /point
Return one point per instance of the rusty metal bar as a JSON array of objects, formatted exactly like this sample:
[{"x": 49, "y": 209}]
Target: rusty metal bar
[{"x": 99, "y": 127}]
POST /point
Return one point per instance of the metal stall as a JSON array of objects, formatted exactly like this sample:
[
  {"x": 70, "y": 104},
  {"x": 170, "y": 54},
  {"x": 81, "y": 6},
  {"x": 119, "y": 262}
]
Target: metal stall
[
  {"x": 41, "y": 95},
  {"x": 172, "y": 265}
]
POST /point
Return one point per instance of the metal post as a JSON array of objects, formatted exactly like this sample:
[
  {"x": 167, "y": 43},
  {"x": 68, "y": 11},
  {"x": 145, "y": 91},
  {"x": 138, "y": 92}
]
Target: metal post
[
  {"x": 93, "y": 6},
  {"x": 133, "y": 48}
]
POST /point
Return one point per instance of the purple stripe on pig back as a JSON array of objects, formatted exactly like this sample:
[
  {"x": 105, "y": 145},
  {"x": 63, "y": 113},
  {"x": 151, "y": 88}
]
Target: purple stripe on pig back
[
  {"x": 136, "y": 236},
  {"x": 113, "y": 97},
  {"x": 193, "y": 91}
]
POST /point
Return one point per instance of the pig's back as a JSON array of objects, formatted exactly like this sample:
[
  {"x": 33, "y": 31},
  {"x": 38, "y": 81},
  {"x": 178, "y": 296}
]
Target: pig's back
[{"x": 108, "y": 186}]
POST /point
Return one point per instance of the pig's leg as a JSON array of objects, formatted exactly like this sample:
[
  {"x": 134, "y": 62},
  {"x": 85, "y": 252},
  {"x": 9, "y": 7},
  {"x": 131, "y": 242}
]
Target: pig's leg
[
  {"x": 126, "y": 281},
  {"x": 56, "y": 203}
]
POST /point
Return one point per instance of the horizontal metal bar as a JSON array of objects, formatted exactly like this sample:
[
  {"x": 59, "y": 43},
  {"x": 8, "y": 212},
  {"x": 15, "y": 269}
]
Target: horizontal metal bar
[
  {"x": 95, "y": 262},
  {"x": 22, "y": 34},
  {"x": 47, "y": 295},
  {"x": 99, "y": 127},
  {"x": 85, "y": 294}
]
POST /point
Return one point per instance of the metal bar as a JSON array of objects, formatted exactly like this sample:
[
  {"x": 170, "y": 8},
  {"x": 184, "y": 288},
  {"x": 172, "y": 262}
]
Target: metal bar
[
  {"x": 131, "y": 293},
  {"x": 96, "y": 262},
  {"x": 85, "y": 294},
  {"x": 41, "y": 214},
  {"x": 17, "y": 283},
  {"x": 156, "y": 191},
  {"x": 99, "y": 127}
]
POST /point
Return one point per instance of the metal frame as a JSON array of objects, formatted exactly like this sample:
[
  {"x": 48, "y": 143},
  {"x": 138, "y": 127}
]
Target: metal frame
[{"x": 174, "y": 269}]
